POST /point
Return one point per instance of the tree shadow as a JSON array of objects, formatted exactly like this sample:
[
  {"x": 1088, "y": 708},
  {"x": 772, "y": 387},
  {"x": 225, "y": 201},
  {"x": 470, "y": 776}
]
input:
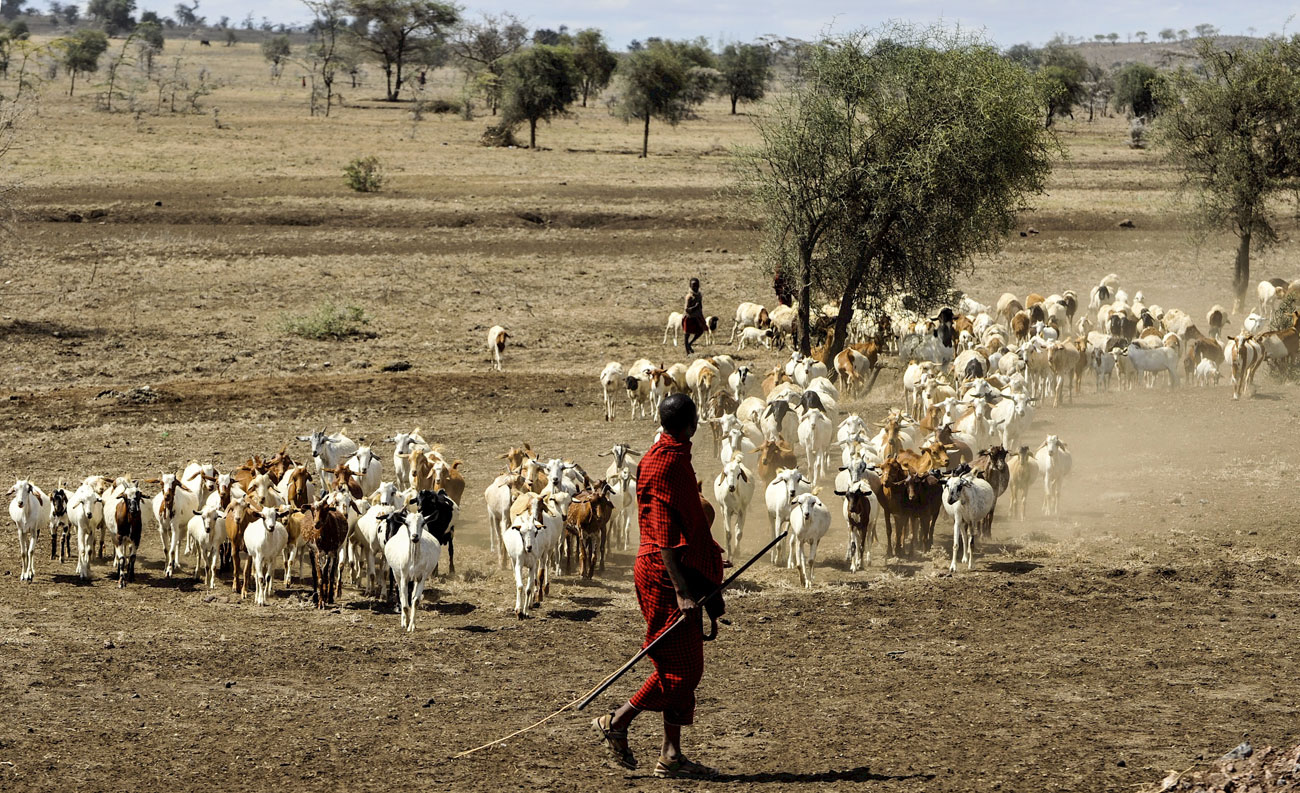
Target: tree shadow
[
  {"x": 859, "y": 774},
  {"x": 22, "y": 327}
]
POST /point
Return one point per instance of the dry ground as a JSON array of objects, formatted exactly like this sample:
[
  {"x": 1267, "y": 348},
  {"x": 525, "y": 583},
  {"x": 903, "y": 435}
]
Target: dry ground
[{"x": 1153, "y": 624}]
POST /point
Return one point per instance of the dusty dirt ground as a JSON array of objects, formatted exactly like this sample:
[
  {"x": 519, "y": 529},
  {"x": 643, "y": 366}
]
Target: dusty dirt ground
[{"x": 1154, "y": 624}]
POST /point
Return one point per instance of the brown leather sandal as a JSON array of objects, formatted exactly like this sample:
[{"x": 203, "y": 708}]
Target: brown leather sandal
[
  {"x": 681, "y": 768},
  {"x": 615, "y": 741}
]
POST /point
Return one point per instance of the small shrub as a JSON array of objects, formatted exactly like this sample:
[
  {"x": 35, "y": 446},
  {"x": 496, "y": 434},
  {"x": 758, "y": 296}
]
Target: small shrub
[
  {"x": 499, "y": 135},
  {"x": 328, "y": 321},
  {"x": 440, "y": 106},
  {"x": 364, "y": 175}
]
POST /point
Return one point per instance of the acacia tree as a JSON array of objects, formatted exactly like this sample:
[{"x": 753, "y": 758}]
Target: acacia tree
[
  {"x": 746, "y": 69},
  {"x": 393, "y": 30},
  {"x": 538, "y": 83},
  {"x": 1135, "y": 89},
  {"x": 655, "y": 85},
  {"x": 895, "y": 160},
  {"x": 484, "y": 46},
  {"x": 276, "y": 50},
  {"x": 594, "y": 61},
  {"x": 325, "y": 55},
  {"x": 1234, "y": 133},
  {"x": 81, "y": 53}
]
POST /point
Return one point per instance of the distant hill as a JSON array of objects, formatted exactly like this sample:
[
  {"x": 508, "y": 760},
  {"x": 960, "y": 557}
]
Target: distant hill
[{"x": 1160, "y": 54}]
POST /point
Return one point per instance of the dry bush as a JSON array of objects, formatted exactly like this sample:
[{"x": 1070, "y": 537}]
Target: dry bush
[
  {"x": 329, "y": 322},
  {"x": 364, "y": 175}
]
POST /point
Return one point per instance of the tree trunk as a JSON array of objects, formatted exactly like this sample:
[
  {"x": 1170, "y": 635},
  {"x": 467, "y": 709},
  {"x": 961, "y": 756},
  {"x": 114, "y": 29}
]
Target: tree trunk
[
  {"x": 388, "y": 75},
  {"x": 1241, "y": 274},
  {"x": 840, "y": 332},
  {"x": 645, "y": 139},
  {"x": 584, "y": 93},
  {"x": 733, "y": 104},
  {"x": 73, "y": 85},
  {"x": 805, "y": 300},
  {"x": 532, "y": 133}
]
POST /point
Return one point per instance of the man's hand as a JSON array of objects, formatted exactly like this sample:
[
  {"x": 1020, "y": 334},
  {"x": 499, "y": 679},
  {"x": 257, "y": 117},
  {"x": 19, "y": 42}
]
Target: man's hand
[{"x": 686, "y": 602}]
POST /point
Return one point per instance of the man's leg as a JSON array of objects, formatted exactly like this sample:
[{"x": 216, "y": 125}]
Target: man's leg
[
  {"x": 623, "y": 716},
  {"x": 672, "y": 742}
]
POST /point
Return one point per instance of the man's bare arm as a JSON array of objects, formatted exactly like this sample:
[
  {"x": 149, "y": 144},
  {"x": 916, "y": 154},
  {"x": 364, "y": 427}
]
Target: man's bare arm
[{"x": 685, "y": 601}]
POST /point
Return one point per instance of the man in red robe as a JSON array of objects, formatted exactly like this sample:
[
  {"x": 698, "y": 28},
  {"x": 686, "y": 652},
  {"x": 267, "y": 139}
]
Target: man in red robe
[{"x": 674, "y": 537}]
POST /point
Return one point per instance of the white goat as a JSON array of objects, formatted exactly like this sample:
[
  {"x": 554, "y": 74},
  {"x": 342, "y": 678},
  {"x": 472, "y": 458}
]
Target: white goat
[
  {"x": 86, "y": 512},
  {"x": 733, "y": 490},
  {"x": 779, "y": 498},
  {"x": 405, "y": 443},
  {"x": 968, "y": 500},
  {"x": 522, "y": 546},
  {"x": 328, "y": 451},
  {"x": 265, "y": 539},
  {"x": 207, "y": 535},
  {"x": 815, "y": 435},
  {"x": 612, "y": 380},
  {"x": 496, "y": 339},
  {"x": 674, "y": 326},
  {"x": 173, "y": 503},
  {"x": 368, "y": 469},
  {"x": 30, "y": 510},
  {"x": 809, "y": 522},
  {"x": 1054, "y": 460},
  {"x": 412, "y": 554}
]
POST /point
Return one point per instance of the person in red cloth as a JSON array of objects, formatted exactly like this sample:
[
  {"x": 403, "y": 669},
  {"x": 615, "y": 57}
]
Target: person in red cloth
[{"x": 676, "y": 550}]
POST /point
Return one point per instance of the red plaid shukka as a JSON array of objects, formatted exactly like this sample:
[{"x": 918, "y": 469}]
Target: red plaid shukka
[{"x": 671, "y": 516}]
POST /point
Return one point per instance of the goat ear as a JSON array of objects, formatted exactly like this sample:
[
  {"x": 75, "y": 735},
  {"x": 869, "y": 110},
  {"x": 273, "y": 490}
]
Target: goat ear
[{"x": 196, "y": 512}]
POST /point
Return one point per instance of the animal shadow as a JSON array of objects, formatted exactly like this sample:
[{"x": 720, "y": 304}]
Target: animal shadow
[
  {"x": 453, "y": 609},
  {"x": 65, "y": 578},
  {"x": 1013, "y": 568},
  {"x": 574, "y": 615}
]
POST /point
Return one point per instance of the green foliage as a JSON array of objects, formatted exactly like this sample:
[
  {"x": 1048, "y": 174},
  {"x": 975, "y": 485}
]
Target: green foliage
[
  {"x": 440, "y": 106},
  {"x": 896, "y": 159},
  {"x": 1136, "y": 86},
  {"x": 594, "y": 61},
  {"x": 276, "y": 49},
  {"x": 81, "y": 51},
  {"x": 393, "y": 30},
  {"x": 114, "y": 15},
  {"x": 746, "y": 70},
  {"x": 9, "y": 9},
  {"x": 1234, "y": 133},
  {"x": 484, "y": 46},
  {"x": 538, "y": 84},
  {"x": 151, "y": 34},
  {"x": 364, "y": 174},
  {"x": 1061, "y": 81},
  {"x": 328, "y": 322},
  {"x": 654, "y": 85}
]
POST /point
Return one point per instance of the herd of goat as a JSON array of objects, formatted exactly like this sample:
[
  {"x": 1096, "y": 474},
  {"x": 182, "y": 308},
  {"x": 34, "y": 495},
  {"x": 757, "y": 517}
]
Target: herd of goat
[{"x": 972, "y": 379}]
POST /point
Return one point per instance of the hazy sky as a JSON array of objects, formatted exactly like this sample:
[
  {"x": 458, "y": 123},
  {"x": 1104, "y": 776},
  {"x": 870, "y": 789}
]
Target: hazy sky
[{"x": 1004, "y": 21}]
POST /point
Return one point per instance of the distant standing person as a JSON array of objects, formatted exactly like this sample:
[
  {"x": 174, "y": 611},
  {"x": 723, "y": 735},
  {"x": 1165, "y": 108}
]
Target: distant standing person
[{"x": 693, "y": 322}]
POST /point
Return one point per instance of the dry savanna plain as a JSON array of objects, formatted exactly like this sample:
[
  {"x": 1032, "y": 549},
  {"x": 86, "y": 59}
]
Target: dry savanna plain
[{"x": 1151, "y": 626}]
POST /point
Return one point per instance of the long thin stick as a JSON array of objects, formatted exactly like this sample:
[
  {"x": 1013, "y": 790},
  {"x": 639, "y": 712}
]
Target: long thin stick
[
  {"x": 627, "y": 667},
  {"x": 582, "y": 701}
]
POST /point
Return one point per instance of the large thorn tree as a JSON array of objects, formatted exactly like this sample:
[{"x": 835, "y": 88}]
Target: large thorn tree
[
  {"x": 896, "y": 159},
  {"x": 1235, "y": 134}
]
